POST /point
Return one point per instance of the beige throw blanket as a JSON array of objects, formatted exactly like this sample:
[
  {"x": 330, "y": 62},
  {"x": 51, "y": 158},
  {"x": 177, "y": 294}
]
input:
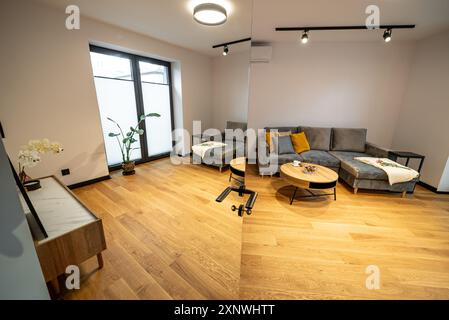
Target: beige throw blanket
[
  {"x": 396, "y": 172},
  {"x": 202, "y": 148}
]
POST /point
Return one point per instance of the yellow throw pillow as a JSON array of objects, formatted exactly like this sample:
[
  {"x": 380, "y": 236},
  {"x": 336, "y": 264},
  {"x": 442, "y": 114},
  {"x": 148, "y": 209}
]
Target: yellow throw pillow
[
  {"x": 300, "y": 143},
  {"x": 270, "y": 135}
]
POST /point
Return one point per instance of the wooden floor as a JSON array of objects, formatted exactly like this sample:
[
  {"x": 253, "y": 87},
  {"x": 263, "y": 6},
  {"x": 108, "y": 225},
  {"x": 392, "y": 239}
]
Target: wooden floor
[
  {"x": 320, "y": 249},
  {"x": 167, "y": 238}
]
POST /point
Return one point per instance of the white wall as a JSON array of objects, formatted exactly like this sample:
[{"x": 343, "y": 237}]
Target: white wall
[
  {"x": 423, "y": 124},
  {"x": 230, "y": 81},
  {"x": 47, "y": 87},
  {"x": 332, "y": 84},
  {"x": 444, "y": 181}
]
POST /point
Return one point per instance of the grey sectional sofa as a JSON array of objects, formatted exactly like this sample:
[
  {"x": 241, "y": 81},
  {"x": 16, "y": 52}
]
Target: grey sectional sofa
[{"x": 336, "y": 149}]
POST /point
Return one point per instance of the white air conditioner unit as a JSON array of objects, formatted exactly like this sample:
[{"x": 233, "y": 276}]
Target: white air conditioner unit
[{"x": 261, "y": 54}]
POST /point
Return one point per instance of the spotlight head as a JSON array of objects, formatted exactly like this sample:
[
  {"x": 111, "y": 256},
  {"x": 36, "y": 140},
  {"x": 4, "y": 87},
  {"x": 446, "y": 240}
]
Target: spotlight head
[
  {"x": 387, "y": 35},
  {"x": 305, "y": 37},
  {"x": 225, "y": 50}
]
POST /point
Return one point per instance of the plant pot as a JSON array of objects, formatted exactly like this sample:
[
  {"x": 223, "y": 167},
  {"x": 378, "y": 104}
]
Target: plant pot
[
  {"x": 31, "y": 185},
  {"x": 128, "y": 168}
]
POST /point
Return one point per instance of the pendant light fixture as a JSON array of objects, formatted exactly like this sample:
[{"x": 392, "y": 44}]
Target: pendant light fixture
[{"x": 210, "y": 14}]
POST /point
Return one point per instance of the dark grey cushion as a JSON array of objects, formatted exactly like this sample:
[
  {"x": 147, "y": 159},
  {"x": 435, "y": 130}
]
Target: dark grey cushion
[
  {"x": 237, "y": 136},
  {"x": 348, "y": 139},
  {"x": 283, "y": 129},
  {"x": 283, "y": 145},
  {"x": 356, "y": 168},
  {"x": 236, "y": 125},
  {"x": 319, "y": 138},
  {"x": 319, "y": 157}
]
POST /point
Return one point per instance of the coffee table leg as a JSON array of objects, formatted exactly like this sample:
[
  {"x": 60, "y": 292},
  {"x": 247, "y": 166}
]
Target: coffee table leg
[
  {"x": 294, "y": 194},
  {"x": 335, "y": 194}
]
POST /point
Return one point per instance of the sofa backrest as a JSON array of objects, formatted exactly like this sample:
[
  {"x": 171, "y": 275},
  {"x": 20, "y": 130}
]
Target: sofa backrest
[
  {"x": 283, "y": 129},
  {"x": 233, "y": 125},
  {"x": 318, "y": 138},
  {"x": 335, "y": 139},
  {"x": 236, "y": 125},
  {"x": 349, "y": 139}
]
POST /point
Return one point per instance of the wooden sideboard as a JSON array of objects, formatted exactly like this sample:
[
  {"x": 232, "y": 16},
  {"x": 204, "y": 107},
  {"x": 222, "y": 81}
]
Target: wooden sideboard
[{"x": 75, "y": 234}]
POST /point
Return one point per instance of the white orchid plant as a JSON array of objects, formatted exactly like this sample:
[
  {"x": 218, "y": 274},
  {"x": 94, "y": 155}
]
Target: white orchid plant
[{"x": 30, "y": 155}]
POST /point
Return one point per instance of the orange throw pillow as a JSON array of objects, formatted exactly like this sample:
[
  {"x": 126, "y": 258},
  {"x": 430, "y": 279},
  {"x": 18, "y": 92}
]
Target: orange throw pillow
[{"x": 300, "y": 143}]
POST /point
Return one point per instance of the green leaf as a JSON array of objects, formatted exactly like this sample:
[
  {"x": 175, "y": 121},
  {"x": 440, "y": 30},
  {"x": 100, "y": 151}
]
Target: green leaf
[
  {"x": 129, "y": 134},
  {"x": 125, "y": 140},
  {"x": 153, "y": 115},
  {"x": 111, "y": 134},
  {"x": 132, "y": 140},
  {"x": 140, "y": 132}
]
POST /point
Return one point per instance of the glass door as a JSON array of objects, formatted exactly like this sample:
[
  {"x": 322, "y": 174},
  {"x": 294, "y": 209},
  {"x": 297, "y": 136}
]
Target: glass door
[
  {"x": 128, "y": 86},
  {"x": 155, "y": 84}
]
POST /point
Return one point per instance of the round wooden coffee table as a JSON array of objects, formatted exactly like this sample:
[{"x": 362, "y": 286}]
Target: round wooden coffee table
[
  {"x": 322, "y": 178},
  {"x": 237, "y": 167}
]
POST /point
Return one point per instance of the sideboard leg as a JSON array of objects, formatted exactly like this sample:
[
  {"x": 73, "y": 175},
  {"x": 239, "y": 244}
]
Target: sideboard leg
[
  {"x": 55, "y": 286},
  {"x": 355, "y": 190},
  {"x": 404, "y": 193},
  {"x": 100, "y": 260}
]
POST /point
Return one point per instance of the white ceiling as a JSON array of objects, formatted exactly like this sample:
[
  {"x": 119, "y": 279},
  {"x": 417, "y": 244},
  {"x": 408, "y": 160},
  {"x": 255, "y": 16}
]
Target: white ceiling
[
  {"x": 172, "y": 21},
  {"x": 430, "y": 16}
]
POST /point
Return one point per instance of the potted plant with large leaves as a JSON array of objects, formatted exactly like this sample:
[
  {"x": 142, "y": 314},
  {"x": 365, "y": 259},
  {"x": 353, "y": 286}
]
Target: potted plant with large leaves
[{"x": 127, "y": 140}]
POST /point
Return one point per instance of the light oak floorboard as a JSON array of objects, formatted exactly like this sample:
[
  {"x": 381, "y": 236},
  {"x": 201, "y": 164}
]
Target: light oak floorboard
[
  {"x": 166, "y": 236},
  {"x": 319, "y": 248}
]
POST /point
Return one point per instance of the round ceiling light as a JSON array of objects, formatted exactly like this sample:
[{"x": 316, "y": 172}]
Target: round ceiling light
[{"x": 210, "y": 14}]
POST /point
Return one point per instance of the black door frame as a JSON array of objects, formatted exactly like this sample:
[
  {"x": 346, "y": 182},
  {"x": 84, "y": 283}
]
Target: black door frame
[{"x": 135, "y": 71}]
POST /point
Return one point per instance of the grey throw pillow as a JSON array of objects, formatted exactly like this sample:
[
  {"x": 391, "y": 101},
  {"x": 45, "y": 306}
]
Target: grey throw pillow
[{"x": 283, "y": 145}]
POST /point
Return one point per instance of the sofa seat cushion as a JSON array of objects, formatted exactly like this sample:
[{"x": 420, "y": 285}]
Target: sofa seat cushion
[
  {"x": 322, "y": 158},
  {"x": 283, "y": 158},
  {"x": 358, "y": 169}
]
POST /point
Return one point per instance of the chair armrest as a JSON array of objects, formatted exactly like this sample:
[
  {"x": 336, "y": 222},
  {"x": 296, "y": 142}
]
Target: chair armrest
[{"x": 376, "y": 151}]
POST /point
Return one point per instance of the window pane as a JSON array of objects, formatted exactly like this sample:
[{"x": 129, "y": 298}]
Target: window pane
[
  {"x": 117, "y": 101},
  {"x": 156, "y": 98},
  {"x": 109, "y": 66},
  {"x": 155, "y": 73}
]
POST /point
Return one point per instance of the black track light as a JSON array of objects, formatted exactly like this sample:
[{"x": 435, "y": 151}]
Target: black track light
[
  {"x": 387, "y": 35},
  {"x": 225, "y": 50},
  {"x": 305, "y": 37}
]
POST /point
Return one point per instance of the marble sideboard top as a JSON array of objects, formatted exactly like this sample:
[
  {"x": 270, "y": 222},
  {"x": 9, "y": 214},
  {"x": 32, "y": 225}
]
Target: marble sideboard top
[{"x": 58, "y": 210}]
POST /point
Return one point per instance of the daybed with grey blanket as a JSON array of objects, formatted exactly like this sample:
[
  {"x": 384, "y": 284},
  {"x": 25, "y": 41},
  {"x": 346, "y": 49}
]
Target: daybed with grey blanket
[
  {"x": 233, "y": 146},
  {"x": 336, "y": 148}
]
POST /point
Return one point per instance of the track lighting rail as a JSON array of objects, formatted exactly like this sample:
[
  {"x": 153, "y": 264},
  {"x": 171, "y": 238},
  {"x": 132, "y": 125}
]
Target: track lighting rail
[
  {"x": 230, "y": 43},
  {"x": 364, "y": 27}
]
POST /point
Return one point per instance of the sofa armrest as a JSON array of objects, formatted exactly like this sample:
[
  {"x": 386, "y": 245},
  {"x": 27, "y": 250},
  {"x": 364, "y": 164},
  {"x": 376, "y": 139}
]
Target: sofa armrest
[{"x": 376, "y": 151}]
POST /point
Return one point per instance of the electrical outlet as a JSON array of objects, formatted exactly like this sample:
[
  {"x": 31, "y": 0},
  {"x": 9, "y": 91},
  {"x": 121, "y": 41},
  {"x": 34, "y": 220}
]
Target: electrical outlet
[{"x": 65, "y": 172}]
